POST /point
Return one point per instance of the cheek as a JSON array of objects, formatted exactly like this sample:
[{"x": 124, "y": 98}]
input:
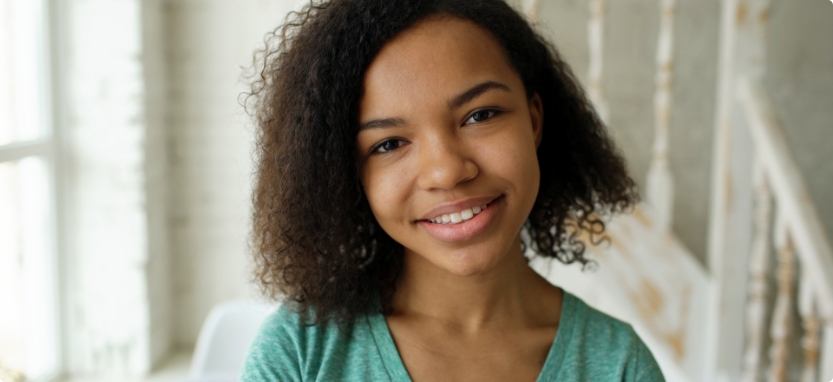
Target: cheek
[
  {"x": 383, "y": 193},
  {"x": 514, "y": 156}
]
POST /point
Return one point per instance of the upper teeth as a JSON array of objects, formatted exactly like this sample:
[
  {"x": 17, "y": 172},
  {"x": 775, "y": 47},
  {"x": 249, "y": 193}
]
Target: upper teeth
[{"x": 457, "y": 217}]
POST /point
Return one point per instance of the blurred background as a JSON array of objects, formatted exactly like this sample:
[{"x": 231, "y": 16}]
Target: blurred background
[{"x": 126, "y": 158}]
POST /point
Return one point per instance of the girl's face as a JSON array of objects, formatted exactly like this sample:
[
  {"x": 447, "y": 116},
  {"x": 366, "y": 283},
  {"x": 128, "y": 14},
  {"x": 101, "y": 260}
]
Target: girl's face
[{"x": 446, "y": 129}]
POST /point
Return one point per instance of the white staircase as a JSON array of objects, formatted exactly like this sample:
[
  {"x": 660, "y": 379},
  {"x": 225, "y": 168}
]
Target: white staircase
[{"x": 730, "y": 321}]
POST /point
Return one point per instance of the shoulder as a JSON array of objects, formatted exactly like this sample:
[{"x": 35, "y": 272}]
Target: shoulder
[
  {"x": 595, "y": 326},
  {"x": 277, "y": 352},
  {"x": 292, "y": 347},
  {"x": 597, "y": 336}
]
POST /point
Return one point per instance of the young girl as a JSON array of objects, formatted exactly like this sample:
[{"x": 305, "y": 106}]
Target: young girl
[{"x": 409, "y": 153}]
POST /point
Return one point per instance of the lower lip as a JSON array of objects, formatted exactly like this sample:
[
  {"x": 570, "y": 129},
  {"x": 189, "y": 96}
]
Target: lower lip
[{"x": 465, "y": 230}]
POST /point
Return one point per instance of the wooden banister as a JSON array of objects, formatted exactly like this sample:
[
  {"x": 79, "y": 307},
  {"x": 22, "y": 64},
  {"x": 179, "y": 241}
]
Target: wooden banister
[
  {"x": 660, "y": 184},
  {"x": 812, "y": 329},
  {"x": 595, "y": 38},
  {"x": 788, "y": 189},
  {"x": 758, "y": 291},
  {"x": 799, "y": 236}
]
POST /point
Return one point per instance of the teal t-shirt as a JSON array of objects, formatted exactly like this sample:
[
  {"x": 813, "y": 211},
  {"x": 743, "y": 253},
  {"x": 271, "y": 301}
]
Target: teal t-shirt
[{"x": 589, "y": 346}]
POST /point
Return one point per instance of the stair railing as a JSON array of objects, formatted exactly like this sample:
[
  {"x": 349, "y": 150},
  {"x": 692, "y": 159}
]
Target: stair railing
[
  {"x": 801, "y": 249},
  {"x": 754, "y": 217}
]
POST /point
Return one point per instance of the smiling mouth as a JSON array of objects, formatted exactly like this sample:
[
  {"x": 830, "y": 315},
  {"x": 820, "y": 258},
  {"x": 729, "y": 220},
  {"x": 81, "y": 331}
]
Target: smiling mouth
[
  {"x": 460, "y": 216},
  {"x": 463, "y": 230}
]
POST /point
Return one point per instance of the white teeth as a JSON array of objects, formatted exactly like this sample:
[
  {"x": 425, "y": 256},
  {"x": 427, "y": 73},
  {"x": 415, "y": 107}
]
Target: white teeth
[
  {"x": 467, "y": 214},
  {"x": 457, "y": 217}
]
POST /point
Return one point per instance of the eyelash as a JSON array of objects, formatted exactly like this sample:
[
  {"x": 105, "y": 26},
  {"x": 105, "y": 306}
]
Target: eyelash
[
  {"x": 376, "y": 147},
  {"x": 495, "y": 113}
]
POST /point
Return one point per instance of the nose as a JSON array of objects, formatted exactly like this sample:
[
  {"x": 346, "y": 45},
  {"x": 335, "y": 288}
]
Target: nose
[{"x": 444, "y": 164}]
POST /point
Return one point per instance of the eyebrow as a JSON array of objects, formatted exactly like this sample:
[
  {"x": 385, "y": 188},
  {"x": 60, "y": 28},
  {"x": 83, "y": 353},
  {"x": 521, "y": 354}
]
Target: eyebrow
[
  {"x": 454, "y": 103},
  {"x": 475, "y": 92}
]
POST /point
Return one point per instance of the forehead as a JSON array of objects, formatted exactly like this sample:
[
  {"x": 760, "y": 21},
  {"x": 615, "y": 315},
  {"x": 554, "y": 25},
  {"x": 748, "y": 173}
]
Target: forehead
[{"x": 435, "y": 58}]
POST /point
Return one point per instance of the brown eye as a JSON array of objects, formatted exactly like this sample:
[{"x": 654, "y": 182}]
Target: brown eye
[
  {"x": 482, "y": 115},
  {"x": 386, "y": 146}
]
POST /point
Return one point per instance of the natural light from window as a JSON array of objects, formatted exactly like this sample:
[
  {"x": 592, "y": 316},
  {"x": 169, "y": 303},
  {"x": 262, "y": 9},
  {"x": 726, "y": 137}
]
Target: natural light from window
[{"x": 28, "y": 293}]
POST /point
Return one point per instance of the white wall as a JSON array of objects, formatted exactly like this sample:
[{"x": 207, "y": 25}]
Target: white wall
[
  {"x": 208, "y": 42},
  {"x": 156, "y": 172},
  {"x": 99, "y": 80}
]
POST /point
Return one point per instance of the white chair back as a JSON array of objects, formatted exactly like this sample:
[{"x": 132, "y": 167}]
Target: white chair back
[{"x": 224, "y": 340}]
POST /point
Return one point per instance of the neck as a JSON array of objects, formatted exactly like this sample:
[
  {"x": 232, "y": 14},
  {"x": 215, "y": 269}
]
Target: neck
[{"x": 508, "y": 295}]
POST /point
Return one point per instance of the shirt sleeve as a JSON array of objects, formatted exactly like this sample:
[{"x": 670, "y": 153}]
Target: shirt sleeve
[
  {"x": 276, "y": 353},
  {"x": 644, "y": 367}
]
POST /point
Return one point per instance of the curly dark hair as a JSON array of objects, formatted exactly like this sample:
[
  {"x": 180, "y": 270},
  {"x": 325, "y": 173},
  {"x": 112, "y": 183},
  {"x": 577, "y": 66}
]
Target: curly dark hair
[{"x": 315, "y": 240}]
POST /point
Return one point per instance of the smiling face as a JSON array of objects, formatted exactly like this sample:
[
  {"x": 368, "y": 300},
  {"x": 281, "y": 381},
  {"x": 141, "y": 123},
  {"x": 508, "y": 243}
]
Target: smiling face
[{"x": 446, "y": 129}]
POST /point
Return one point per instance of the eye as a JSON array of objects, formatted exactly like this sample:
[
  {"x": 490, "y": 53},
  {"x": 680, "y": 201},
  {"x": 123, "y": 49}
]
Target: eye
[
  {"x": 386, "y": 146},
  {"x": 482, "y": 115}
]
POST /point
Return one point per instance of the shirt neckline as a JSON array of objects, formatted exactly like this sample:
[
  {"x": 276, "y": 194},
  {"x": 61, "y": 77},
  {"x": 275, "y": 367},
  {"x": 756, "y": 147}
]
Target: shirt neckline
[{"x": 552, "y": 364}]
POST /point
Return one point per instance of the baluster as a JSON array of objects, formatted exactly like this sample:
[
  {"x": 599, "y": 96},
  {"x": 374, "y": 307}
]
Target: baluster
[
  {"x": 756, "y": 49},
  {"x": 727, "y": 219},
  {"x": 781, "y": 319},
  {"x": 758, "y": 272},
  {"x": 660, "y": 187},
  {"x": 826, "y": 353},
  {"x": 595, "y": 35},
  {"x": 811, "y": 323}
]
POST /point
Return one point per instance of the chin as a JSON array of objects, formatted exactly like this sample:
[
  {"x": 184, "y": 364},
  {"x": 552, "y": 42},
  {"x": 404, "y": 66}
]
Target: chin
[{"x": 470, "y": 263}]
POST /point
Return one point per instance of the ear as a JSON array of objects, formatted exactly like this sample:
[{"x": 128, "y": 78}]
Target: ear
[{"x": 536, "y": 115}]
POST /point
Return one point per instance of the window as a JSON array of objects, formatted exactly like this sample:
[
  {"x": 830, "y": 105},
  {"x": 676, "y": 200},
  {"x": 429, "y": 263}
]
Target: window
[{"x": 29, "y": 321}]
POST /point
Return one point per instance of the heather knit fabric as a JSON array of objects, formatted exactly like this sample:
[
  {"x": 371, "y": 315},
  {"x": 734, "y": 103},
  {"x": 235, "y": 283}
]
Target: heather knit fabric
[{"x": 589, "y": 346}]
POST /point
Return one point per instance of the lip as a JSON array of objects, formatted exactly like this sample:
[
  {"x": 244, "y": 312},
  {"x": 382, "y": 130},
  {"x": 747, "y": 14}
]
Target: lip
[
  {"x": 457, "y": 206},
  {"x": 465, "y": 230}
]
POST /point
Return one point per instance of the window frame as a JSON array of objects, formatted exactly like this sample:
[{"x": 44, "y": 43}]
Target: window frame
[{"x": 44, "y": 352}]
